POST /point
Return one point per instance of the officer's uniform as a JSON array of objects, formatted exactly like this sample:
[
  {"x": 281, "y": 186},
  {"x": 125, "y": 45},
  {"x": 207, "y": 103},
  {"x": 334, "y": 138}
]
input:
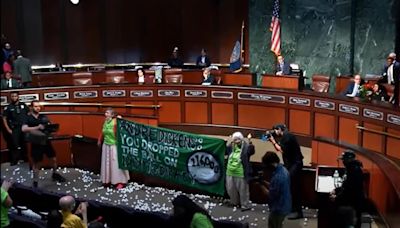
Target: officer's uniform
[{"x": 16, "y": 115}]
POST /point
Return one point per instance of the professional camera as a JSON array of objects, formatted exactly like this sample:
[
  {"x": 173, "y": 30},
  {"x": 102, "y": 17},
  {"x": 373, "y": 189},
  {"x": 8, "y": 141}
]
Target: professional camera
[{"x": 267, "y": 135}]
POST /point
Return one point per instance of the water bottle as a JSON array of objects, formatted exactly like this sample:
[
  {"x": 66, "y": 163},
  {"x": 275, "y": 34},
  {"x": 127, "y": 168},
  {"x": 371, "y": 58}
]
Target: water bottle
[{"x": 336, "y": 179}]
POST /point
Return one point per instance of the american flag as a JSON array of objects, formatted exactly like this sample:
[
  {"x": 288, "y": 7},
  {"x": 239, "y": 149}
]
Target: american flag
[{"x": 275, "y": 28}]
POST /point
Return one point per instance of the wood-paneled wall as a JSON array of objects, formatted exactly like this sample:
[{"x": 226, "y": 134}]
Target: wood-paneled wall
[{"x": 123, "y": 31}]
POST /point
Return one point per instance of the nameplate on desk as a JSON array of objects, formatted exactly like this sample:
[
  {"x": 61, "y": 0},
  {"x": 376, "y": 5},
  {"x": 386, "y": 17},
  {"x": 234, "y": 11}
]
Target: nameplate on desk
[
  {"x": 369, "y": 113},
  {"x": 222, "y": 94},
  {"x": 324, "y": 104},
  {"x": 261, "y": 97},
  {"x": 114, "y": 93},
  {"x": 169, "y": 93},
  {"x": 26, "y": 98},
  {"x": 85, "y": 94},
  {"x": 394, "y": 119},
  {"x": 141, "y": 93},
  {"x": 349, "y": 109},
  {"x": 299, "y": 101},
  {"x": 3, "y": 100},
  {"x": 195, "y": 93},
  {"x": 56, "y": 96}
]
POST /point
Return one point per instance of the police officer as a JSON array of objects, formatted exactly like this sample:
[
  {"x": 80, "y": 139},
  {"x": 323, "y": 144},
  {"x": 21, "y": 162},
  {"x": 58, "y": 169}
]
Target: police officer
[
  {"x": 351, "y": 193},
  {"x": 293, "y": 161},
  {"x": 14, "y": 115}
]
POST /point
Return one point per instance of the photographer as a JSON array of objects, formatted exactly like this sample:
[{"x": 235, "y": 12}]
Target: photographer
[
  {"x": 293, "y": 161},
  {"x": 35, "y": 125}
]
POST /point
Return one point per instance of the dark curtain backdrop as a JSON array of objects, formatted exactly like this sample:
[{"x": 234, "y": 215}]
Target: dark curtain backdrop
[{"x": 123, "y": 31}]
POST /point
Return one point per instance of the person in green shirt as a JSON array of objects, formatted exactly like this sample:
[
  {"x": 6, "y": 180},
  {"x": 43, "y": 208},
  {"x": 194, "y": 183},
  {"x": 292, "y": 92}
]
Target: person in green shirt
[
  {"x": 239, "y": 170},
  {"x": 6, "y": 203},
  {"x": 188, "y": 214},
  {"x": 110, "y": 173}
]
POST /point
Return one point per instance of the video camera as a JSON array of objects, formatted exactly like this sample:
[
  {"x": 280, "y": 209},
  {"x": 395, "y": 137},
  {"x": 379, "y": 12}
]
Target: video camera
[{"x": 267, "y": 135}]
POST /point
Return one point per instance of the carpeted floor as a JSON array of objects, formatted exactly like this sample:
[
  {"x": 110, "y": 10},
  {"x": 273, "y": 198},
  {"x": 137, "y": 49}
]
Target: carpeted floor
[{"x": 87, "y": 185}]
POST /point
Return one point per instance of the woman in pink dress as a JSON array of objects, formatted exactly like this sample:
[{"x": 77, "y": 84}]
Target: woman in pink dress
[{"x": 110, "y": 173}]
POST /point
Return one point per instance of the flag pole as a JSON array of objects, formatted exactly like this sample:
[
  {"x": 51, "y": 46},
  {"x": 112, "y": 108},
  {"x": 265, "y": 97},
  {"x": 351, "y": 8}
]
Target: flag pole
[{"x": 241, "y": 43}]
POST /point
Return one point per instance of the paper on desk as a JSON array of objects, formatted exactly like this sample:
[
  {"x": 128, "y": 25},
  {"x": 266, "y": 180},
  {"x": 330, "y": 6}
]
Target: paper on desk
[{"x": 326, "y": 184}]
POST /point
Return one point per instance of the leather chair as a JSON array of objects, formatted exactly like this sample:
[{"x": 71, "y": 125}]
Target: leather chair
[
  {"x": 389, "y": 89},
  {"x": 173, "y": 76},
  {"x": 320, "y": 83},
  {"x": 115, "y": 76},
  {"x": 82, "y": 78},
  {"x": 149, "y": 77}
]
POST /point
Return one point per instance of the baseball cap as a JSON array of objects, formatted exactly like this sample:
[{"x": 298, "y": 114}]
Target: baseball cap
[{"x": 347, "y": 155}]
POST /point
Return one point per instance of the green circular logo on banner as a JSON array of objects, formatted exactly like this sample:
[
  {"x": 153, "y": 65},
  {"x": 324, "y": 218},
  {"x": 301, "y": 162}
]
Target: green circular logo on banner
[{"x": 204, "y": 168}]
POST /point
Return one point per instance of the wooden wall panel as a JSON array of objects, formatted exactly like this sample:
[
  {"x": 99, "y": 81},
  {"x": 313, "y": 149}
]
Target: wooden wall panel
[
  {"x": 92, "y": 125},
  {"x": 196, "y": 112},
  {"x": 170, "y": 112},
  {"x": 299, "y": 122},
  {"x": 222, "y": 113},
  {"x": 55, "y": 108},
  {"x": 260, "y": 117},
  {"x": 348, "y": 131},
  {"x": 372, "y": 140},
  {"x": 393, "y": 144},
  {"x": 324, "y": 125},
  {"x": 327, "y": 154},
  {"x": 69, "y": 124},
  {"x": 87, "y": 109},
  {"x": 142, "y": 111}
]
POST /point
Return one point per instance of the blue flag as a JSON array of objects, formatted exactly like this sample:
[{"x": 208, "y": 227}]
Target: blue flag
[{"x": 236, "y": 60}]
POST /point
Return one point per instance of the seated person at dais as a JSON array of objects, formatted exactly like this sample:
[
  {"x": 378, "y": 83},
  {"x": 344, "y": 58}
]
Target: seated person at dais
[
  {"x": 208, "y": 79},
  {"x": 282, "y": 68},
  {"x": 378, "y": 93},
  {"x": 203, "y": 60},
  {"x": 8, "y": 82},
  {"x": 140, "y": 74},
  {"x": 353, "y": 89},
  {"x": 175, "y": 61}
]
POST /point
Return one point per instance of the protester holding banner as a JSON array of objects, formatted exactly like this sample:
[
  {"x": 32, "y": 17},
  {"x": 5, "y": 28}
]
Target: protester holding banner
[
  {"x": 110, "y": 173},
  {"x": 238, "y": 170},
  {"x": 188, "y": 214}
]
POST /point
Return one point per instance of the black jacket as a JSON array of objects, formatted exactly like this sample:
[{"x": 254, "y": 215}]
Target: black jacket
[
  {"x": 351, "y": 193},
  {"x": 246, "y": 152}
]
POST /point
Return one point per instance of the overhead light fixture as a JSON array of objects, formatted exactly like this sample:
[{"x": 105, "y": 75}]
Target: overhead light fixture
[{"x": 75, "y": 2}]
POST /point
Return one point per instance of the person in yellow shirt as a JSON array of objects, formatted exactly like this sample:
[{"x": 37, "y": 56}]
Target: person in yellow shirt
[{"x": 70, "y": 220}]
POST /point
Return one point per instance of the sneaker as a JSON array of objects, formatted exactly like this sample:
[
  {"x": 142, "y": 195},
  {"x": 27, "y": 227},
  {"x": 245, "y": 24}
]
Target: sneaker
[
  {"x": 35, "y": 184},
  {"x": 295, "y": 215},
  {"x": 57, "y": 177}
]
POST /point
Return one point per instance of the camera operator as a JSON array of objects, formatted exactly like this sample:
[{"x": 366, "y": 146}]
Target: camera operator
[
  {"x": 35, "y": 124},
  {"x": 293, "y": 161}
]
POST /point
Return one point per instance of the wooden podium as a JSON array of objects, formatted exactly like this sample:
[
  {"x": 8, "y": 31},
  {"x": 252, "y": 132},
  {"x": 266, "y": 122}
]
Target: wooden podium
[{"x": 291, "y": 82}]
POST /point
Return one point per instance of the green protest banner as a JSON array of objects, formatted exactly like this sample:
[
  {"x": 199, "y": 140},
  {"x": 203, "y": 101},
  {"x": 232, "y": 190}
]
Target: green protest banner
[{"x": 188, "y": 159}]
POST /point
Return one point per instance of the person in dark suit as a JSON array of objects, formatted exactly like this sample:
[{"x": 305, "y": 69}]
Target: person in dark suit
[
  {"x": 378, "y": 93},
  {"x": 282, "y": 68},
  {"x": 391, "y": 75},
  {"x": 208, "y": 79},
  {"x": 353, "y": 89},
  {"x": 23, "y": 68},
  {"x": 175, "y": 61},
  {"x": 203, "y": 60},
  {"x": 8, "y": 82}
]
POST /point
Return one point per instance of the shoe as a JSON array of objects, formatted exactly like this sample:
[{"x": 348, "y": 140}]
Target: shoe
[
  {"x": 57, "y": 177},
  {"x": 35, "y": 184},
  {"x": 119, "y": 186},
  {"x": 245, "y": 209},
  {"x": 295, "y": 215},
  {"x": 106, "y": 185}
]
